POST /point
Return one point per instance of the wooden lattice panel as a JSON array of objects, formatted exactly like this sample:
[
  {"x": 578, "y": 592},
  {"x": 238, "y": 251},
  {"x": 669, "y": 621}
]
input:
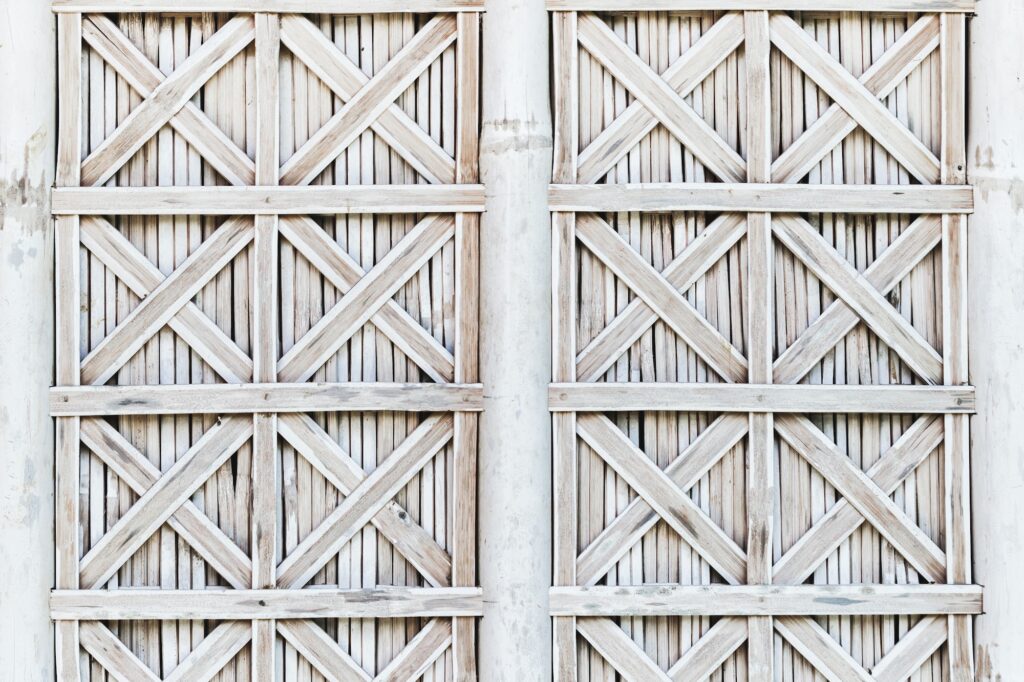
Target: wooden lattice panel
[
  {"x": 267, "y": 237},
  {"x": 761, "y": 396}
]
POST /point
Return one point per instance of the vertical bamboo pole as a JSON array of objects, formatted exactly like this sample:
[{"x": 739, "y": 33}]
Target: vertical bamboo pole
[
  {"x": 995, "y": 158},
  {"x": 515, "y": 469},
  {"x": 26, "y": 359}
]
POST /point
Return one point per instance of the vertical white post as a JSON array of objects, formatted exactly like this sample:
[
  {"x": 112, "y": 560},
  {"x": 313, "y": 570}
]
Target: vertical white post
[
  {"x": 996, "y": 290},
  {"x": 27, "y": 136},
  {"x": 515, "y": 366}
]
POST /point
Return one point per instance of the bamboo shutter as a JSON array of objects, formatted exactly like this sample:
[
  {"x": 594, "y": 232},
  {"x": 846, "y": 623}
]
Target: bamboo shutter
[
  {"x": 267, "y": 237},
  {"x": 761, "y": 396}
]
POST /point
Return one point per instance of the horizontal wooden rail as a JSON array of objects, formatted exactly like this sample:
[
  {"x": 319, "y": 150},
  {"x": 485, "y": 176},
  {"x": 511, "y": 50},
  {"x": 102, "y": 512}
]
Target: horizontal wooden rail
[
  {"x": 283, "y": 6},
  {"x": 94, "y": 401},
  {"x": 352, "y": 199},
  {"x": 762, "y": 398},
  {"x": 766, "y": 600},
  {"x": 657, "y": 197},
  {"x": 219, "y": 604},
  {"x": 769, "y": 5}
]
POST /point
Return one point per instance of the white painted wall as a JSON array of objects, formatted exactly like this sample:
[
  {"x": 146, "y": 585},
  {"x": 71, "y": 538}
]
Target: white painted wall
[
  {"x": 996, "y": 167},
  {"x": 27, "y": 131},
  {"x": 515, "y": 433}
]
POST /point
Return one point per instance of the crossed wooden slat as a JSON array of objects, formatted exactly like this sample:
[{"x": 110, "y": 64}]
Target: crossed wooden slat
[
  {"x": 725, "y": 637},
  {"x": 215, "y": 651},
  {"x": 139, "y": 274},
  {"x": 191, "y": 523},
  {"x": 660, "y": 297},
  {"x": 163, "y": 499},
  {"x": 365, "y": 501},
  {"x": 660, "y": 97},
  {"x": 347, "y": 81},
  {"x": 344, "y": 273},
  {"x": 394, "y": 522},
  {"x": 167, "y": 99},
  {"x": 858, "y": 292},
  {"x": 211, "y": 142},
  {"x": 363, "y": 300},
  {"x": 334, "y": 663},
  {"x": 364, "y": 106},
  {"x": 854, "y": 96}
]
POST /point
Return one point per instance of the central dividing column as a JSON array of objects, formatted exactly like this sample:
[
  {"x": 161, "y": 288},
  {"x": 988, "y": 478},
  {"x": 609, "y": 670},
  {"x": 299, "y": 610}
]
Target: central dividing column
[{"x": 515, "y": 443}]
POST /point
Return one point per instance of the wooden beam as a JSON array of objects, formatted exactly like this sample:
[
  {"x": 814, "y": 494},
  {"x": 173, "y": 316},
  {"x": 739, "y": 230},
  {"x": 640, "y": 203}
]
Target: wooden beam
[
  {"x": 765, "y": 600},
  {"x": 770, "y": 5},
  {"x": 279, "y": 6},
  {"x": 696, "y": 196},
  {"x": 219, "y": 604},
  {"x": 761, "y": 398},
  {"x": 317, "y": 200},
  {"x": 251, "y": 398}
]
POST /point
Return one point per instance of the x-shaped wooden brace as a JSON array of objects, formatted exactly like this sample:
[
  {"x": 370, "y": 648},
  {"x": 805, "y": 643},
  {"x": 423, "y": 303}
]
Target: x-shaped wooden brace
[
  {"x": 373, "y": 98},
  {"x": 860, "y": 293},
  {"x": 139, "y": 274},
  {"x": 368, "y": 102},
  {"x": 167, "y": 100},
  {"x": 369, "y": 501},
  {"x": 165, "y": 498},
  {"x": 365, "y": 298},
  {"x": 888, "y": 71},
  {"x": 867, "y": 493},
  {"x": 394, "y": 522},
  {"x": 659, "y": 297},
  {"x": 660, "y": 97},
  {"x": 215, "y": 651},
  {"x": 344, "y": 273},
  {"x": 725, "y": 637},
  {"x": 663, "y": 494},
  {"x": 335, "y": 663},
  {"x": 858, "y": 98},
  {"x": 165, "y": 299}
]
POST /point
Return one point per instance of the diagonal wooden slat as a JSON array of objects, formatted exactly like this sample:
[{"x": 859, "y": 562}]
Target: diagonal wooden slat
[
  {"x": 139, "y": 274},
  {"x": 637, "y": 317},
  {"x": 365, "y": 502},
  {"x": 660, "y": 99},
  {"x": 857, "y": 292},
  {"x": 881, "y": 78},
  {"x": 842, "y": 519},
  {"x": 213, "y": 653},
  {"x": 202, "y": 134},
  {"x": 113, "y": 655},
  {"x": 710, "y": 651},
  {"x": 850, "y": 94},
  {"x": 912, "y": 651},
  {"x": 344, "y": 273},
  {"x": 340, "y": 74},
  {"x": 364, "y": 299},
  {"x": 638, "y": 517},
  {"x": 662, "y": 494},
  {"x": 321, "y": 651},
  {"x": 164, "y": 302},
  {"x": 820, "y": 650},
  {"x": 661, "y": 297},
  {"x": 373, "y": 99},
  {"x": 916, "y": 242},
  {"x": 194, "y": 526},
  {"x": 685, "y": 74},
  {"x": 162, "y": 499},
  {"x": 417, "y": 656},
  {"x": 625, "y": 655},
  {"x": 394, "y": 522},
  {"x": 864, "y": 495},
  {"x": 167, "y": 99}
]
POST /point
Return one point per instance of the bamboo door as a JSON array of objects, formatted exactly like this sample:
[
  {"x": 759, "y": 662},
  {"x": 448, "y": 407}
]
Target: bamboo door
[
  {"x": 760, "y": 399},
  {"x": 267, "y": 238}
]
